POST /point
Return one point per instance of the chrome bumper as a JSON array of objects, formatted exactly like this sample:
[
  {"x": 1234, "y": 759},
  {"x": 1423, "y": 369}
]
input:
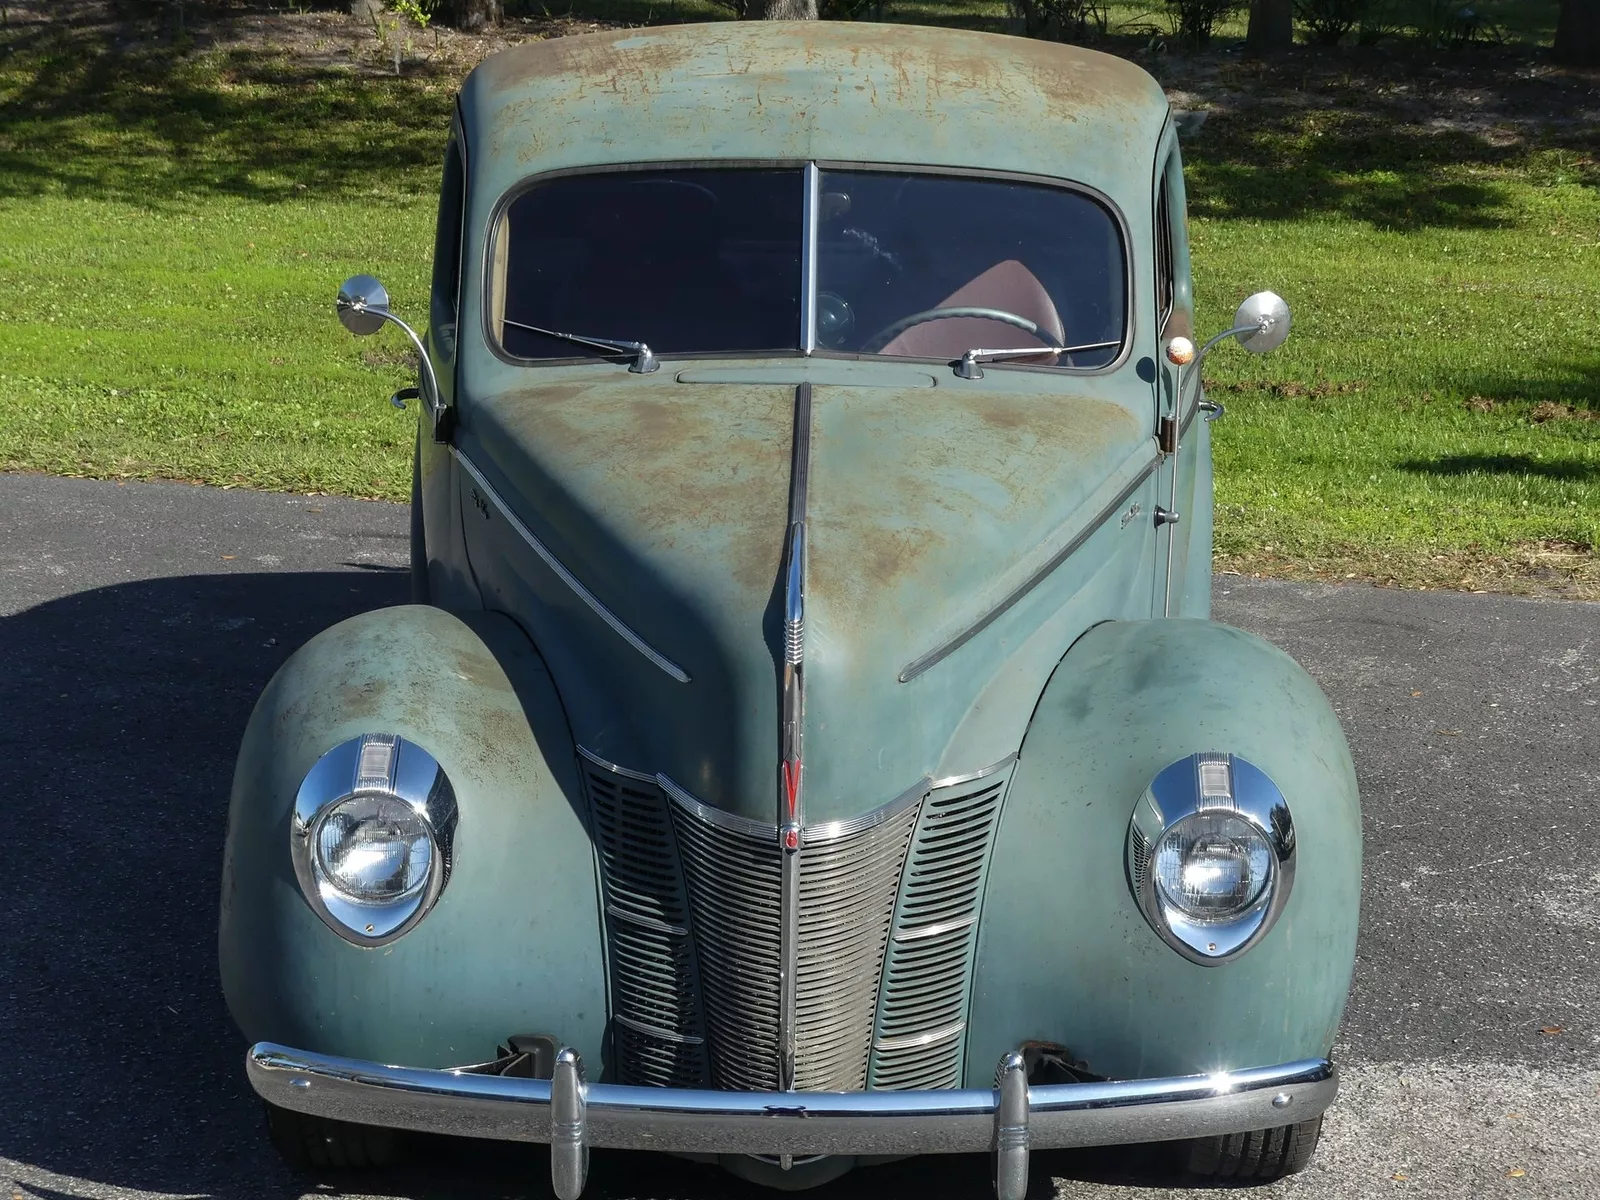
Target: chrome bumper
[{"x": 1007, "y": 1120}]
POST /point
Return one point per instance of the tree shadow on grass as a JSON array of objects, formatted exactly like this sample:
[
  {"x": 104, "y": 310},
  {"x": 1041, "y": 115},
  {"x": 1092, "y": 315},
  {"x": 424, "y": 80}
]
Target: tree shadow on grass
[
  {"x": 1503, "y": 464},
  {"x": 1575, "y": 386},
  {"x": 140, "y": 124}
]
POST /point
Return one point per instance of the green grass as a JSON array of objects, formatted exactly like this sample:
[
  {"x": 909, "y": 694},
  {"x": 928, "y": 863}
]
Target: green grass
[{"x": 172, "y": 228}]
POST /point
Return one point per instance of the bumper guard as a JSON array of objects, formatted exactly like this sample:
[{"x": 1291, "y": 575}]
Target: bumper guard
[{"x": 1008, "y": 1120}]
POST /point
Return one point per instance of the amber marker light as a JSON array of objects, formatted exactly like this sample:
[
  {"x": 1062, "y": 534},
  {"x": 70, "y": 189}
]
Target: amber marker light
[{"x": 1180, "y": 351}]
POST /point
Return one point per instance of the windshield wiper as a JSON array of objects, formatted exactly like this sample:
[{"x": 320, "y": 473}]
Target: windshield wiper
[
  {"x": 644, "y": 360},
  {"x": 968, "y": 368}
]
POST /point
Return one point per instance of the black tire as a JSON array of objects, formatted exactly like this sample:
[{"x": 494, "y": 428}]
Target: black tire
[
  {"x": 1259, "y": 1156},
  {"x": 319, "y": 1144}
]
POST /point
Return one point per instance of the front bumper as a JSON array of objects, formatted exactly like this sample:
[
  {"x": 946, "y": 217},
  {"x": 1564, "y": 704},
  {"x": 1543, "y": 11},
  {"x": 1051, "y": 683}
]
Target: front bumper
[{"x": 571, "y": 1115}]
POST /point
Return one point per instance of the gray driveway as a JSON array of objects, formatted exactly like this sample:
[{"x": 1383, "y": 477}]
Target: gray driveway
[{"x": 138, "y": 623}]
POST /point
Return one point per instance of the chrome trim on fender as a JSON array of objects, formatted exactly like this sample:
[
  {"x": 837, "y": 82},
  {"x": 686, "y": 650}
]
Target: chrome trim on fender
[
  {"x": 1039, "y": 575},
  {"x": 961, "y": 1120},
  {"x": 932, "y": 1037},
  {"x": 970, "y": 776},
  {"x": 566, "y": 576},
  {"x": 712, "y": 816},
  {"x": 832, "y": 831},
  {"x": 682, "y": 1039},
  {"x": 641, "y": 776}
]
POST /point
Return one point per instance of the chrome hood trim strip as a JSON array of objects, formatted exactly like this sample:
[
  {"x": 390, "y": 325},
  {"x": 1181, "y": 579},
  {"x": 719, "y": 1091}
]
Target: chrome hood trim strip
[
  {"x": 791, "y": 735},
  {"x": 566, "y": 576},
  {"x": 1039, "y": 575}
]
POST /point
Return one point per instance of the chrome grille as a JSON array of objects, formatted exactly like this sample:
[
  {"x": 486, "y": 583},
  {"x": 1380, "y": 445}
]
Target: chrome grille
[
  {"x": 887, "y": 923},
  {"x": 732, "y": 868},
  {"x": 927, "y": 975},
  {"x": 848, "y": 883},
  {"x": 655, "y": 997}
]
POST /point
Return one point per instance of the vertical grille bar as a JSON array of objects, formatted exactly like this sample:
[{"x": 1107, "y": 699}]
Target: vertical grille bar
[
  {"x": 655, "y": 995},
  {"x": 927, "y": 975}
]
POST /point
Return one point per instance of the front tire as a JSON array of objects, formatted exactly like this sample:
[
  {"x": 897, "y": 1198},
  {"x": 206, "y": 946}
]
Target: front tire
[
  {"x": 1261, "y": 1155},
  {"x": 309, "y": 1143}
]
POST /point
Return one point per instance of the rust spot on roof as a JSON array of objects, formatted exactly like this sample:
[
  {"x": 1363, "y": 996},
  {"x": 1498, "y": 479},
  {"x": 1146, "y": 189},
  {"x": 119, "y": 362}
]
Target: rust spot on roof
[{"x": 906, "y": 59}]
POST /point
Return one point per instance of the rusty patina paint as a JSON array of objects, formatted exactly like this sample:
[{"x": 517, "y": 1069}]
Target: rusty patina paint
[
  {"x": 669, "y": 500},
  {"x": 845, "y": 92}
]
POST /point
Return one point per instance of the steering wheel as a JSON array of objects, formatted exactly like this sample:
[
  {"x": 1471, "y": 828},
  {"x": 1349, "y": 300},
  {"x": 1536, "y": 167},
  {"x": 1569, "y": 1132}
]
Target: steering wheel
[{"x": 889, "y": 332}]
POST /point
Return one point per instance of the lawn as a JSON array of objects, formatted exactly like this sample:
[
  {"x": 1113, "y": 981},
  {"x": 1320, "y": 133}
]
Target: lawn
[{"x": 174, "y": 221}]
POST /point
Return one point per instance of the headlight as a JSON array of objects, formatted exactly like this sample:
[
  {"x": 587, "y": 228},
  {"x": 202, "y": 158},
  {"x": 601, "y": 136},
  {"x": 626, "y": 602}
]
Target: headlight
[
  {"x": 372, "y": 835},
  {"x": 1211, "y": 855}
]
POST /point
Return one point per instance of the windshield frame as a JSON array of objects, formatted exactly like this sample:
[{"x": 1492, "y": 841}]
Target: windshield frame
[{"x": 810, "y": 171}]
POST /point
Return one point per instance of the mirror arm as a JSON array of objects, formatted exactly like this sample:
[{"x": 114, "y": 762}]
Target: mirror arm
[
  {"x": 1192, "y": 371},
  {"x": 434, "y": 401},
  {"x": 1172, "y": 442}
]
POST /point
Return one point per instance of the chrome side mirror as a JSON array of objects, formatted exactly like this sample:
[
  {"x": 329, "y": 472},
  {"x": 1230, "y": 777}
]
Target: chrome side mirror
[
  {"x": 363, "y": 308},
  {"x": 1265, "y": 317},
  {"x": 362, "y": 305}
]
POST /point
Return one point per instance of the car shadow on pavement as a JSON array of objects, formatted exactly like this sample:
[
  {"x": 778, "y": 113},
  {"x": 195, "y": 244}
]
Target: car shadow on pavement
[{"x": 119, "y": 1067}]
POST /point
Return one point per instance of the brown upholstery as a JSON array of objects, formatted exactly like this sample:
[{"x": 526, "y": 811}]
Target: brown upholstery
[{"x": 1008, "y": 286}]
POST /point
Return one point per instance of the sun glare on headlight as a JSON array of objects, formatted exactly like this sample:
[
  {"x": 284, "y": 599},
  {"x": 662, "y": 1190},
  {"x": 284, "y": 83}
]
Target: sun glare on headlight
[
  {"x": 374, "y": 849},
  {"x": 1211, "y": 856},
  {"x": 372, "y": 837},
  {"x": 1212, "y": 866}
]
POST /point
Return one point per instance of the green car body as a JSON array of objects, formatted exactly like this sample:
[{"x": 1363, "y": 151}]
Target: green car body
[{"x": 1000, "y": 628}]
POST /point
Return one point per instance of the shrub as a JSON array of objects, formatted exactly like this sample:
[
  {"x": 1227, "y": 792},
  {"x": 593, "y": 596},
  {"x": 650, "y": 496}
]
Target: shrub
[
  {"x": 1327, "y": 21},
  {"x": 1061, "y": 20},
  {"x": 1197, "y": 18}
]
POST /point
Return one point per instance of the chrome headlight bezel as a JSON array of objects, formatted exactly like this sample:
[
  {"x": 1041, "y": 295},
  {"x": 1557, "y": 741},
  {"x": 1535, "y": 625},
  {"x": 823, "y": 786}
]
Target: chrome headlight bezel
[
  {"x": 1220, "y": 783},
  {"x": 383, "y": 765}
]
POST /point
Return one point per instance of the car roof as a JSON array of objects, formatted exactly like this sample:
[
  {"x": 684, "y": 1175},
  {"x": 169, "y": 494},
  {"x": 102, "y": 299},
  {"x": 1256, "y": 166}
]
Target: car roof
[{"x": 803, "y": 90}]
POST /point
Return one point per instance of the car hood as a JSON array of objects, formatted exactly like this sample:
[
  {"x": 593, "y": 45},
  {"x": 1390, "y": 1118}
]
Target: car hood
[{"x": 669, "y": 502}]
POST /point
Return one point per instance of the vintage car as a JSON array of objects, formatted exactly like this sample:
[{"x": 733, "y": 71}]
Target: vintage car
[{"x": 809, "y": 745}]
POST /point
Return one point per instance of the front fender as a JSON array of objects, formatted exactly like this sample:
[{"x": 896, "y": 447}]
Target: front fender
[
  {"x": 1064, "y": 954},
  {"x": 513, "y": 945}
]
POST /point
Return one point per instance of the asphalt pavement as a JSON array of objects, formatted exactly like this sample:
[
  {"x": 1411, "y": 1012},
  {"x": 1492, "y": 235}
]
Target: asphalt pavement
[{"x": 138, "y": 623}]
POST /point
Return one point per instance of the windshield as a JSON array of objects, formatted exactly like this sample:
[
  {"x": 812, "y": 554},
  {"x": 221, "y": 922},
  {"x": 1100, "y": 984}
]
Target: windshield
[{"x": 709, "y": 260}]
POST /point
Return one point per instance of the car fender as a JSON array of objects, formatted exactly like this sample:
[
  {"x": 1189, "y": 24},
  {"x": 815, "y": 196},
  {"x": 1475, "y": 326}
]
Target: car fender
[
  {"x": 1064, "y": 953},
  {"x": 513, "y": 945}
]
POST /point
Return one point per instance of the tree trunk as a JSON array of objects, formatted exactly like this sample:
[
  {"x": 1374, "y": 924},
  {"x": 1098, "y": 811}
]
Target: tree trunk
[
  {"x": 470, "y": 15},
  {"x": 1271, "y": 28},
  {"x": 791, "y": 10},
  {"x": 1578, "y": 33}
]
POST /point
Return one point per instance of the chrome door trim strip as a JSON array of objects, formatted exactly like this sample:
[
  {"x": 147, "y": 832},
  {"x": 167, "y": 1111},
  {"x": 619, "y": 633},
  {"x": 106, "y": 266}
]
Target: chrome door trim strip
[
  {"x": 810, "y": 215},
  {"x": 970, "y": 776},
  {"x": 940, "y": 653},
  {"x": 566, "y": 576},
  {"x": 641, "y": 776}
]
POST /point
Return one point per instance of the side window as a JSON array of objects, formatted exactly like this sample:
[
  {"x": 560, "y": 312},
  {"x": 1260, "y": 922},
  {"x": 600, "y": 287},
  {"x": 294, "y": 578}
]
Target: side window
[
  {"x": 1164, "y": 269},
  {"x": 447, "y": 253}
]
